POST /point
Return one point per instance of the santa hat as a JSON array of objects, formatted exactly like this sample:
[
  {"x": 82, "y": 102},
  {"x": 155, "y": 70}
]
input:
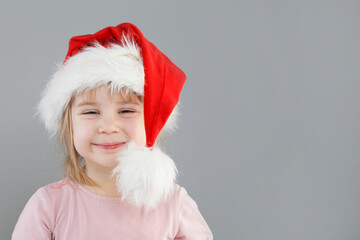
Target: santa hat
[{"x": 123, "y": 58}]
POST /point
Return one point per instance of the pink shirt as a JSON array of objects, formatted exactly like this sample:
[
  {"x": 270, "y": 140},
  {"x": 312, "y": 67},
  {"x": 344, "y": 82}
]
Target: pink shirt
[{"x": 65, "y": 210}]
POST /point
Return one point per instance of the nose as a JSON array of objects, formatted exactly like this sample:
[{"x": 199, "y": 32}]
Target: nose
[{"x": 109, "y": 124}]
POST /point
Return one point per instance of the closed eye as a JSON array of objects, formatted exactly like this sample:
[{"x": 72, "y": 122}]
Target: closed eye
[
  {"x": 127, "y": 111},
  {"x": 90, "y": 112}
]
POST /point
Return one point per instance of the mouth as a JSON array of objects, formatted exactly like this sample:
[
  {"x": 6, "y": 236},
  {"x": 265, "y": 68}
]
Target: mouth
[{"x": 110, "y": 145}]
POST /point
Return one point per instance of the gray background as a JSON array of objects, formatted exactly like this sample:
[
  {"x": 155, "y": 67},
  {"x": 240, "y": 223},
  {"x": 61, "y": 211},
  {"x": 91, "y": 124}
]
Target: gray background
[{"x": 268, "y": 140}]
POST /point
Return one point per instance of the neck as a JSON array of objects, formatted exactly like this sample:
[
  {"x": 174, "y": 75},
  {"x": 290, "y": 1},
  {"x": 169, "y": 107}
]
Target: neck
[{"x": 104, "y": 180}]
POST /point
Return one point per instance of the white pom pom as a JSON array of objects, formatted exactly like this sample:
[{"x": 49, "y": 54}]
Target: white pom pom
[{"x": 145, "y": 175}]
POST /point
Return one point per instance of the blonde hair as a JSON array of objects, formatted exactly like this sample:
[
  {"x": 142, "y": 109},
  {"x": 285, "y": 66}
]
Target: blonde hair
[{"x": 74, "y": 165}]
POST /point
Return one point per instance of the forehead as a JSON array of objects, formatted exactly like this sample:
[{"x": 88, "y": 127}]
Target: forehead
[{"x": 91, "y": 95}]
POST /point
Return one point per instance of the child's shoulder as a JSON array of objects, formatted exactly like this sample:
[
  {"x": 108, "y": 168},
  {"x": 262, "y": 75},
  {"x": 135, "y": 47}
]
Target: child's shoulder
[
  {"x": 183, "y": 198},
  {"x": 179, "y": 193},
  {"x": 59, "y": 185},
  {"x": 178, "y": 189},
  {"x": 58, "y": 188},
  {"x": 50, "y": 195}
]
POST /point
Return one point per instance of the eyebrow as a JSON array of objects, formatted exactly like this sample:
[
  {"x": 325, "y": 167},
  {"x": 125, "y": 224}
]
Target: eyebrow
[{"x": 83, "y": 103}]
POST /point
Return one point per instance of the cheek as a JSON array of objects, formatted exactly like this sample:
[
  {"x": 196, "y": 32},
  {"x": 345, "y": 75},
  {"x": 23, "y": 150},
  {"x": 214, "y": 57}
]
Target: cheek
[
  {"x": 136, "y": 130},
  {"x": 81, "y": 135},
  {"x": 141, "y": 135}
]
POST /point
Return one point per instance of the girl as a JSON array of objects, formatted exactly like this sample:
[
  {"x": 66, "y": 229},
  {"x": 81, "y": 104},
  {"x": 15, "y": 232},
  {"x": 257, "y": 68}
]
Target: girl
[{"x": 110, "y": 103}]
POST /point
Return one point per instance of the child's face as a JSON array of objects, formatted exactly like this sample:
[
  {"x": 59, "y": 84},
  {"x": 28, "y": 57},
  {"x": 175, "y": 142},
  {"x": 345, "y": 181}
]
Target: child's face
[{"x": 103, "y": 126}]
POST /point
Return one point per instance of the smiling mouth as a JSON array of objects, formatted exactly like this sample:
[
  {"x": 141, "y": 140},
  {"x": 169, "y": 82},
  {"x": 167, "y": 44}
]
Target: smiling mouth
[{"x": 110, "y": 145}]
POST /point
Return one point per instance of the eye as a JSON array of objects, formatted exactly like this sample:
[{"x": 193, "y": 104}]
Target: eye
[
  {"x": 126, "y": 111},
  {"x": 90, "y": 112}
]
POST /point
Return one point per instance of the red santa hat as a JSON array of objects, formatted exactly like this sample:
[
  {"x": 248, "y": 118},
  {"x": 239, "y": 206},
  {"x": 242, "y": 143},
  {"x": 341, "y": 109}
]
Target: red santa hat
[{"x": 123, "y": 58}]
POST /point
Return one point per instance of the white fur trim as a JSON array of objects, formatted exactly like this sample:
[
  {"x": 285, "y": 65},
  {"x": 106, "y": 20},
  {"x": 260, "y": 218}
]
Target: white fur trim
[{"x": 145, "y": 176}]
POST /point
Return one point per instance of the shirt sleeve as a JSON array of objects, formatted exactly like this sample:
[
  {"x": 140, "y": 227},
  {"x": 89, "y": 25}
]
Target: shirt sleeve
[
  {"x": 192, "y": 225},
  {"x": 37, "y": 218}
]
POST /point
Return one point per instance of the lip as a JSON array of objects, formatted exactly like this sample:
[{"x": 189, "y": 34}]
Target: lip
[{"x": 110, "y": 146}]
